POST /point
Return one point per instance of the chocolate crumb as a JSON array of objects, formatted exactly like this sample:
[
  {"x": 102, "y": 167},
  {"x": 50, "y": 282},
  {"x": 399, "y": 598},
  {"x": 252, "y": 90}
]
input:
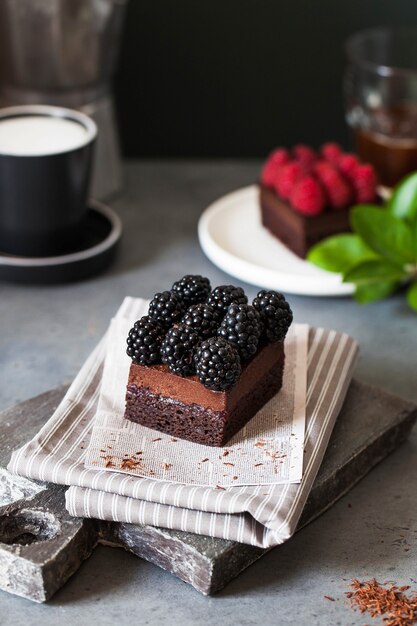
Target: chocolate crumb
[
  {"x": 226, "y": 453},
  {"x": 130, "y": 464},
  {"x": 166, "y": 466}
]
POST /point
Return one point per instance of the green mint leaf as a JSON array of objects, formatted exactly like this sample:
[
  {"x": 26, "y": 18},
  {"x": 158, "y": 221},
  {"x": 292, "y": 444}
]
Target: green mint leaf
[
  {"x": 414, "y": 229},
  {"x": 367, "y": 293},
  {"x": 374, "y": 271},
  {"x": 403, "y": 202},
  {"x": 412, "y": 296},
  {"x": 386, "y": 234},
  {"x": 339, "y": 252}
]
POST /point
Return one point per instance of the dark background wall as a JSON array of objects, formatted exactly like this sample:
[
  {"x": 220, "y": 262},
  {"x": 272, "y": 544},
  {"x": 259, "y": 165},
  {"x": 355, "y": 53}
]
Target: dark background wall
[{"x": 229, "y": 78}]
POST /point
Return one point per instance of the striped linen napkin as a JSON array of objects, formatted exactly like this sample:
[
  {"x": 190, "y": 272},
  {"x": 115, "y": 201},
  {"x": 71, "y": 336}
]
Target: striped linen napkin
[{"x": 262, "y": 515}]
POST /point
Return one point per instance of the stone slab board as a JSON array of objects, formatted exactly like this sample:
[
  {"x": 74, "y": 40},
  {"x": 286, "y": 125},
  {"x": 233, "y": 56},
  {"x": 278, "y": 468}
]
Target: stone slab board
[{"x": 41, "y": 546}]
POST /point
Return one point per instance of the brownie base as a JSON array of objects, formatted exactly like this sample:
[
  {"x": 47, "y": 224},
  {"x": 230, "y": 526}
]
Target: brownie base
[
  {"x": 194, "y": 422},
  {"x": 299, "y": 232}
]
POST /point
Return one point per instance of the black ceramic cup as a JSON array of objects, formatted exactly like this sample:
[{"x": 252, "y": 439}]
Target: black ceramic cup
[{"x": 45, "y": 166}]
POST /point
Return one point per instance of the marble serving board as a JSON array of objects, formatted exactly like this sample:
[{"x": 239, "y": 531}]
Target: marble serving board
[{"x": 41, "y": 546}]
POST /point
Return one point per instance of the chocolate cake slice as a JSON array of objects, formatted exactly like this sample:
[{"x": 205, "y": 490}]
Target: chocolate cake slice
[
  {"x": 184, "y": 408},
  {"x": 204, "y": 362},
  {"x": 298, "y": 232},
  {"x": 305, "y": 195}
]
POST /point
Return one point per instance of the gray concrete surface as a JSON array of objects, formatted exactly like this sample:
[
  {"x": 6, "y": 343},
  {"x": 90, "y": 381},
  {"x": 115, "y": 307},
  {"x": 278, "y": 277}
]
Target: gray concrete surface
[{"x": 48, "y": 332}]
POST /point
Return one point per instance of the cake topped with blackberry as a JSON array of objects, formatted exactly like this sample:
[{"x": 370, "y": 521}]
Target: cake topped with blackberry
[
  {"x": 205, "y": 361},
  {"x": 305, "y": 195}
]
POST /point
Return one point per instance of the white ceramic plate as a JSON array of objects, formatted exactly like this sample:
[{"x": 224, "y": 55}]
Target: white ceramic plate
[{"x": 233, "y": 238}]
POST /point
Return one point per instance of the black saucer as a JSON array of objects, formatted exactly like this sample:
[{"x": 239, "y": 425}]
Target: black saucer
[{"x": 94, "y": 253}]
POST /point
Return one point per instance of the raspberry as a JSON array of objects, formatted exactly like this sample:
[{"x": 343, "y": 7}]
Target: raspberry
[
  {"x": 287, "y": 178},
  {"x": 304, "y": 154},
  {"x": 347, "y": 164},
  {"x": 331, "y": 152},
  {"x": 279, "y": 156},
  {"x": 269, "y": 174},
  {"x": 364, "y": 181},
  {"x": 275, "y": 161},
  {"x": 338, "y": 190},
  {"x": 308, "y": 197}
]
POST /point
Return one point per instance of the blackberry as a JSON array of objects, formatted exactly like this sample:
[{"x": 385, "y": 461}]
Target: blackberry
[
  {"x": 275, "y": 313},
  {"x": 192, "y": 289},
  {"x": 225, "y": 295},
  {"x": 202, "y": 319},
  {"x": 166, "y": 308},
  {"x": 144, "y": 341},
  {"x": 242, "y": 327},
  {"x": 178, "y": 348},
  {"x": 217, "y": 364}
]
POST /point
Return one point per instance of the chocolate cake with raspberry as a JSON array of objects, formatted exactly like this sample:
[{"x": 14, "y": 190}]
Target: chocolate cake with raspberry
[
  {"x": 204, "y": 362},
  {"x": 305, "y": 196}
]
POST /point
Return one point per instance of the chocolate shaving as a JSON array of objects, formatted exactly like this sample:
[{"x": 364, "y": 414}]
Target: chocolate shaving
[
  {"x": 370, "y": 596},
  {"x": 204, "y": 460},
  {"x": 330, "y": 598},
  {"x": 130, "y": 464},
  {"x": 232, "y": 464},
  {"x": 157, "y": 439}
]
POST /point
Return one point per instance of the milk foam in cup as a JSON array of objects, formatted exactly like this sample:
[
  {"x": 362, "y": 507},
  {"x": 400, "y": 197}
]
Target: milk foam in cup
[{"x": 34, "y": 135}]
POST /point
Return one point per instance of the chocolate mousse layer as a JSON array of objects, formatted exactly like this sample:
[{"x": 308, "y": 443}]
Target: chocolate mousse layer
[
  {"x": 184, "y": 408},
  {"x": 299, "y": 232}
]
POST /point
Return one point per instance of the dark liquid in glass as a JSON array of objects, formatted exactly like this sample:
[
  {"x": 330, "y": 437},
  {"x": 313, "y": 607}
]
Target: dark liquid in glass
[{"x": 390, "y": 142}]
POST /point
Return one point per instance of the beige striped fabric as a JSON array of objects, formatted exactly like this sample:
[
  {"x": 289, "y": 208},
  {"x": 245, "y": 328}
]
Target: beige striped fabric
[{"x": 262, "y": 516}]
